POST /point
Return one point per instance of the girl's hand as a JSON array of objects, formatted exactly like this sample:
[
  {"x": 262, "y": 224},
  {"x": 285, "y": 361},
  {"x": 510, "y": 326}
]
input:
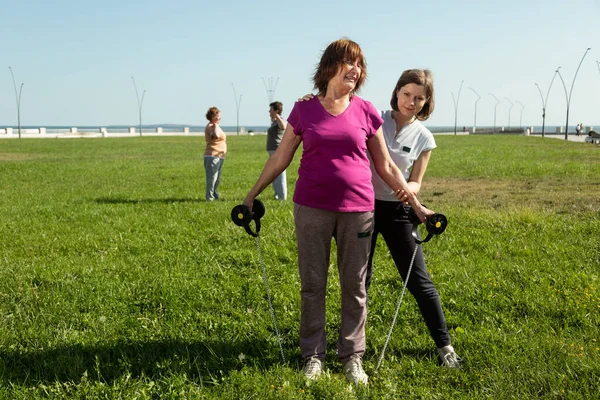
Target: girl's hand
[
  {"x": 306, "y": 97},
  {"x": 423, "y": 213}
]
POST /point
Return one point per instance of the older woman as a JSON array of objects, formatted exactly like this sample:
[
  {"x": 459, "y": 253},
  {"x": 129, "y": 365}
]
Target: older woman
[
  {"x": 334, "y": 198},
  {"x": 214, "y": 154}
]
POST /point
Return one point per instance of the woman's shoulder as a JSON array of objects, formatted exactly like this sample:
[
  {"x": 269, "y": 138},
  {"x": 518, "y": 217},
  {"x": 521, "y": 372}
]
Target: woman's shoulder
[
  {"x": 361, "y": 101},
  {"x": 305, "y": 104},
  {"x": 365, "y": 105}
]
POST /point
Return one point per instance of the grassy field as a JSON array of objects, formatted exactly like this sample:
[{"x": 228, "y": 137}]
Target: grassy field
[{"x": 118, "y": 281}]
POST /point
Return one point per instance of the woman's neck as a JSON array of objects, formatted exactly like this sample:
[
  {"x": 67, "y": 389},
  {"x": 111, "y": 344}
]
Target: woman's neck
[{"x": 335, "y": 101}]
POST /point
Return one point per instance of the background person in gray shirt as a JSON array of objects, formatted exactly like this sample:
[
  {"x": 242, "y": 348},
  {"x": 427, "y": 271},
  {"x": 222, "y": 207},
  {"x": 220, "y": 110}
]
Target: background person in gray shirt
[{"x": 274, "y": 135}]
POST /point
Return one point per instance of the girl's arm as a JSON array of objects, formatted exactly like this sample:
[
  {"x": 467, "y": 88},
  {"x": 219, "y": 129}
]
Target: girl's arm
[
  {"x": 391, "y": 175},
  {"x": 418, "y": 171}
]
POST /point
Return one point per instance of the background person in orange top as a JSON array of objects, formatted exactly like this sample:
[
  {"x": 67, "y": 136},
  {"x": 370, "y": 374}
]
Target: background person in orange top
[{"x": 214, "y": 155}]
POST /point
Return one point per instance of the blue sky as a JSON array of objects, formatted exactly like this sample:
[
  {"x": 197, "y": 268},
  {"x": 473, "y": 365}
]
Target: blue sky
[{"x": 77, "y": 58}]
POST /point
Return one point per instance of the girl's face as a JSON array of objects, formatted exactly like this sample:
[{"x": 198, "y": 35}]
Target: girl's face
[
  {"x": 217, "y": 118},
  {"x": 411, "y": 99}
]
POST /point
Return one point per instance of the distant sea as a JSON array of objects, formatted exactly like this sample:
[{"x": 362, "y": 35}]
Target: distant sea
[
  {"x": 173, "y": 128},
  {"x": 167, "y": 128}
]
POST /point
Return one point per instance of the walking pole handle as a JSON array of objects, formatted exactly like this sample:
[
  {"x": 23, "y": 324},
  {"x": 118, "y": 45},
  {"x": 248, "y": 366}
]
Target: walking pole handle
[
  {"x": 242, "y": 216},
  {"x": 436, "y": 224}
]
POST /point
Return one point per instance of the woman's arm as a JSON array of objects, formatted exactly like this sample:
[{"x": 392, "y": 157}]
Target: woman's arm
[
  {"x": 276, "y": 164},
  {"x": 217, "y": 132},
  {"x": 418, "y": 171},
  {"x": 391, "y": 175}
]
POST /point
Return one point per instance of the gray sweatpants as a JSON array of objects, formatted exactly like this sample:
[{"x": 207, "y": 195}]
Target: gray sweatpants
[
  {"x": 352, "y": 233},
  {"x": 280, "y": 184}
]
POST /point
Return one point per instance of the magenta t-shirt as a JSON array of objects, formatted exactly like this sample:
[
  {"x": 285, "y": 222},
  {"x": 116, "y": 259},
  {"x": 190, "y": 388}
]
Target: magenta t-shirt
[{"x": 334, "y": 171}]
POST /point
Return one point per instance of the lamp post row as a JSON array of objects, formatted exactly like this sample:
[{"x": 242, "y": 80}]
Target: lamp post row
[
  {"x": 272, "y": 85},
  {"x": 270, "y": 88},
  {"x": 544, "y": 100}
]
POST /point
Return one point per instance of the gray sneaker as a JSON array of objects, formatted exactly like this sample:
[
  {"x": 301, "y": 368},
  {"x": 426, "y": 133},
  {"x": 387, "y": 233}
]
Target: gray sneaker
[
  {"x": 354, "y": 371},
  {"x": 448, "y": 357},
  {"x": 313, "y": 367}
]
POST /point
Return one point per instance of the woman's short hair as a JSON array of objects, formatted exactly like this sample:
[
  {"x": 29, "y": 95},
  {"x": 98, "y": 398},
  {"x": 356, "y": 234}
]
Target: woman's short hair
[
  {"x": 337, "y": 53},
  {"x": 421, "y": 77},
  {"x": 210, "y": 114},
  {"x": 277, "y": 107}
]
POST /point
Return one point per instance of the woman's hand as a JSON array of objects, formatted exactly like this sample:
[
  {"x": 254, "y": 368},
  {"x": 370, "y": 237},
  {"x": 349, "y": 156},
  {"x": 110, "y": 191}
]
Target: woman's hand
[
  {"x": 249, "y": 202},
  {"x": 402, "y": 196}
]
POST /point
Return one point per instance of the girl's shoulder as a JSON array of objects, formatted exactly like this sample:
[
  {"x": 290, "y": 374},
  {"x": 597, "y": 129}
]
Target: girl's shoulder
[{"x": 423, "y": 130}]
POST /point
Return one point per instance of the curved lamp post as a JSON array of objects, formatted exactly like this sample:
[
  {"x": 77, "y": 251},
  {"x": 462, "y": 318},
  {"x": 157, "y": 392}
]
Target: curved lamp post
[
  {"x": 571, "y": 92},
  {"x": 566, "y": 96},
  {"x": 545, "y": 102},
  {"x": 456, "y": 100},
  {"x": 496, "y": 106},
  {"x": 521, "y": 116},
  {"x": 509, "y": 108},
  {"x": 475, "y": 115},
  {"x": 18, "y": 99},
  {"x": 238, "y": 102},
  {"x": 139, "y": 102}
]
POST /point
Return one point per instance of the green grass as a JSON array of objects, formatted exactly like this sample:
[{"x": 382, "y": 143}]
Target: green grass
[{"x": 117, "y": 280}]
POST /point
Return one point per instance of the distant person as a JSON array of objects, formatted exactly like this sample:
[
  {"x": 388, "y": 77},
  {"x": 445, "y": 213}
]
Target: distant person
[
  {"x": 334, "y": 198},
  {"x": 214, "y": 155},
  {"x": 274, "y": 135},
  {"x": 410, "y": 144},
  {"x": 578, "y": 129}
]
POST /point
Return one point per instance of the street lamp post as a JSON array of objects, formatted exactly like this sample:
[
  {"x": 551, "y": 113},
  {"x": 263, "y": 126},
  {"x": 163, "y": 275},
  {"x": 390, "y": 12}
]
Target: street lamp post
[
  {"x": 456, "y": 100},
  {"x": 509, "y": 108},
  {"x": 566, "y": 99},
  {"x": 18, "y": 100},
  {"x": 521, "y": 116},
  {"x": 545, "y": 101},
  {"x": 270, "y": 88},
  {"x": 496, "y": 106},
  {"x": 238, "y": 102},
  {"x": 571, "y": 92},
  {"x": 140, "y": 102},
  {"x": 475, "y": 115}
]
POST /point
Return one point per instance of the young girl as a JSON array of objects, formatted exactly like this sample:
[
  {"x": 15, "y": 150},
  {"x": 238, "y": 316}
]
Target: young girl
[{"x": 409, "y": 144}]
